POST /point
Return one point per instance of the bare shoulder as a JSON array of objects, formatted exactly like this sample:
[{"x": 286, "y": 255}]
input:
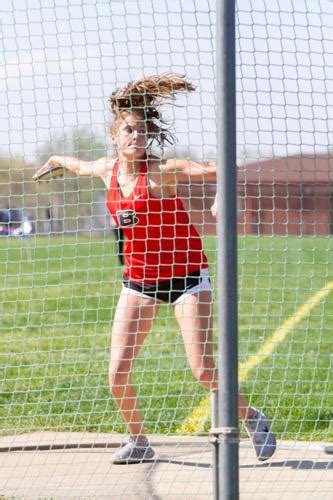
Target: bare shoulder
[
  {"x": 161, "y": 183},
  {"x": 160, "y": 169},
  {"x": 104, "y": 166},
  {"x": 181, "y": 169},
  {"x": 164, "y": 166},
  {"x": 155, "y": 163},
  {"x": 169, "y": 165}
]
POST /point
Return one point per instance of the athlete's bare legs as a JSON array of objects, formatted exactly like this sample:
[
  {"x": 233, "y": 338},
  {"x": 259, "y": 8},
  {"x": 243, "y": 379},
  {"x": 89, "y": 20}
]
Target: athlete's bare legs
[
  {"x": 133, "y": 320},
  {"x": 194, "y": 316}
]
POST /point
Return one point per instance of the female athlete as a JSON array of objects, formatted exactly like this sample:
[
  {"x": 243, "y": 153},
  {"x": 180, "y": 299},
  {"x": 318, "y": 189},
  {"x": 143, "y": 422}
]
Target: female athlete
[{"x": 164, "y": 258}]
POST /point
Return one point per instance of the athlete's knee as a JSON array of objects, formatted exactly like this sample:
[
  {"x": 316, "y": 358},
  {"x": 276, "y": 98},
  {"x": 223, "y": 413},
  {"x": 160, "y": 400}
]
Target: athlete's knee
[
  {"x": 119, "y": 373},
  {"x": 204, "y": 374}
]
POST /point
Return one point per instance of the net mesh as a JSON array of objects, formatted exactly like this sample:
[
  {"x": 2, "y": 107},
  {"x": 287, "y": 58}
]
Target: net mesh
[{"x": 61, "y": 254}]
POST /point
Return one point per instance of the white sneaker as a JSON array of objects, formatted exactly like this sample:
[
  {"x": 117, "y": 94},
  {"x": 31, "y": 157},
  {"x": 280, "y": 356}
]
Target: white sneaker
[
  {"x": 134, "y": 452},
  {"x": 262, "y": 437}
]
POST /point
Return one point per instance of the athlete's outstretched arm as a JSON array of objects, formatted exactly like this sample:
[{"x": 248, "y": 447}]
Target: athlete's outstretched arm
[
  {"x": 97, "y": 168},
  {"x": 177, "y": 170}
]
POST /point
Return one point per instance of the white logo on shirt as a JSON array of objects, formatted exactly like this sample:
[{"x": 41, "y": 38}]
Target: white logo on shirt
[{"x": 126, "y": 218}]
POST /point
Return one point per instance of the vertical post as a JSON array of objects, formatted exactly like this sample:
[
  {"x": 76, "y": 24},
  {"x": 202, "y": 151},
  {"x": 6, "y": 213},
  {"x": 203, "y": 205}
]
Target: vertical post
[
  {"x": 227, "y": 435},
  {"x": 214, "y": 411}
]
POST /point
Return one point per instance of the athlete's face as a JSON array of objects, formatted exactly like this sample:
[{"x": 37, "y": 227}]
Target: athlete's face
[{"x": 130, "y": 137}]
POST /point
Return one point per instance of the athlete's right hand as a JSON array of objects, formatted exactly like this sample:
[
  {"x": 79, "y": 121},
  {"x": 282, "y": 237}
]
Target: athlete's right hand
[{"x": 53, "y": 168}]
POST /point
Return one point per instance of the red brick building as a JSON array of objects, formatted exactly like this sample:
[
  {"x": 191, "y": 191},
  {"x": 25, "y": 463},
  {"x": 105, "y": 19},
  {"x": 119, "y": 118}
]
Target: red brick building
[
  {"x": 281, "y": 196},
  {"x": 287, "y": 196}
]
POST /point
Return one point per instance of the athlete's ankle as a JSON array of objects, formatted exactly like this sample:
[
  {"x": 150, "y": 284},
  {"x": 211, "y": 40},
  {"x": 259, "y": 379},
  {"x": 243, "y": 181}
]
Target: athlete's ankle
[{"x": 139, "y": 438}]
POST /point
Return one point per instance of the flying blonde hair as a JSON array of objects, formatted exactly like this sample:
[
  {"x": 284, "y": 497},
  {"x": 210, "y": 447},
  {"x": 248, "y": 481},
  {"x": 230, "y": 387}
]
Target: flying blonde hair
[{"x": 144, "y": 97}]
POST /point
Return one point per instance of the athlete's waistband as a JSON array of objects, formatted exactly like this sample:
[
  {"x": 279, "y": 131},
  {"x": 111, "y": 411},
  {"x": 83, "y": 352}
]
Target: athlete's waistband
[
  {"x": 165, "y": 279},
  {"x": 172, "y": 290}
]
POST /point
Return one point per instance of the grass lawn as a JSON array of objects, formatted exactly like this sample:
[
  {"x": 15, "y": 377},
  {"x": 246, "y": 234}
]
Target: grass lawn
[{"x": 58, "y": 299}]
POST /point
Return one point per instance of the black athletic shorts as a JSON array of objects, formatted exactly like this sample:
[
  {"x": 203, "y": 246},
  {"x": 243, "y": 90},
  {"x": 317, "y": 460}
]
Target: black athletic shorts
[{"x": 170, "y": 291}]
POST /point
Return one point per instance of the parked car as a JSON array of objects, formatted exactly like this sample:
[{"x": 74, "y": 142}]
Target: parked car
[{"x": 15, "y": 222}]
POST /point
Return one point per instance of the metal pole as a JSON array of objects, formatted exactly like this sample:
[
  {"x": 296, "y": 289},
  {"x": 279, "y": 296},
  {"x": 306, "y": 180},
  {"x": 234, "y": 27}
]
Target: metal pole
[
  {"x": 227, "y": 432},
  {"x": 214, "y": 411}
]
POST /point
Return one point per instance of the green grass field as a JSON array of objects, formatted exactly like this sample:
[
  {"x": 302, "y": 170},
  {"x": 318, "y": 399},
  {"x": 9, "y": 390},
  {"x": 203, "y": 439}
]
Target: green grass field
[{"x": 58, "y": 300}]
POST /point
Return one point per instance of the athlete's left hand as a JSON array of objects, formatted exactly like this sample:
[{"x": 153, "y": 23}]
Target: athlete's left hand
[{"x": 213, "y": 208}]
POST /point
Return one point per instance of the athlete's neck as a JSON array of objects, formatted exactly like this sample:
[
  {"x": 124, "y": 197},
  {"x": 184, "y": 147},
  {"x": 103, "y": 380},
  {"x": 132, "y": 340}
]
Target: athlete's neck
[{"x": 130, "y": 167}]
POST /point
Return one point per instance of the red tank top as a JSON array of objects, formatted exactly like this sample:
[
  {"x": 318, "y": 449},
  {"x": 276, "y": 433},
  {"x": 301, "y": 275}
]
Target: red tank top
[{"x": 160, "y": 241}]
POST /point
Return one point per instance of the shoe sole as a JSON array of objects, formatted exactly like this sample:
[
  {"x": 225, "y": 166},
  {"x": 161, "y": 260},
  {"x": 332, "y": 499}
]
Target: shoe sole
[{"x": 132, "y": 461}]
